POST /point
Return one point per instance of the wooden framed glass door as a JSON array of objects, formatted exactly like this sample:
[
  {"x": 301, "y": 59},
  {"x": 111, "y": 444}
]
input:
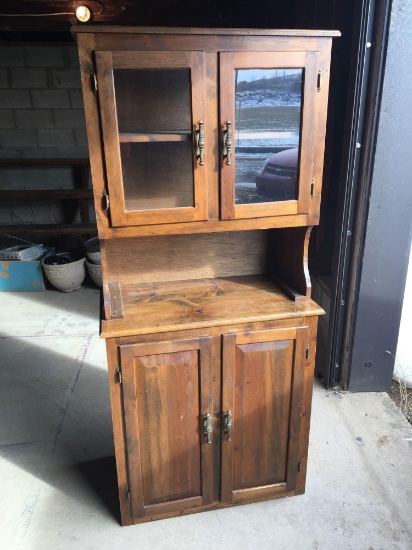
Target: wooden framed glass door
[
  {"x": 267, "y": 119},
  {"x": 152, "y": 114}
]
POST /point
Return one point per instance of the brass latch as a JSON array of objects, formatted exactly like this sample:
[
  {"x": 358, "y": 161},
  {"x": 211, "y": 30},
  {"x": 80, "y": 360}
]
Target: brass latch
[
  {"x": 200, "y": 143},
  {"x": 227, "y": 143}
]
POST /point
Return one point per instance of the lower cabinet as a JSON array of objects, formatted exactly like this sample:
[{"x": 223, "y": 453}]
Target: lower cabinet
[{"x": 173, "y": 431}]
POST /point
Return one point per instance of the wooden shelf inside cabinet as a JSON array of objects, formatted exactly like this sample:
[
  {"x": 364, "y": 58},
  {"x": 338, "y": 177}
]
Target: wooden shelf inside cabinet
[
  {"x": 199, "y": 303},
  {"x": 154, "y": 137},
  {"x": 82, "y": 194}
]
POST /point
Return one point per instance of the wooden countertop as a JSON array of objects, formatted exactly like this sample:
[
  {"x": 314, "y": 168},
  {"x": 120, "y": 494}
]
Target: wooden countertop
[{"x": 179, "y": 305}]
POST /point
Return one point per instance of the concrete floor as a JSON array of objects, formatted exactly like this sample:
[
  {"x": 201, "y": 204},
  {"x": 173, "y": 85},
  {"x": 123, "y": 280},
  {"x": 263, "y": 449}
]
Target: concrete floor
[{"x": 58, "y": 488}]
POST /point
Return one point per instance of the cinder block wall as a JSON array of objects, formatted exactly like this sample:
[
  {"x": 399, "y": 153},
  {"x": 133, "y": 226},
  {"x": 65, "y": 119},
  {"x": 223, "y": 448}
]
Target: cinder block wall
[
  {"x": 41, "y": 106},
  {"x": 41, "y": 115}
]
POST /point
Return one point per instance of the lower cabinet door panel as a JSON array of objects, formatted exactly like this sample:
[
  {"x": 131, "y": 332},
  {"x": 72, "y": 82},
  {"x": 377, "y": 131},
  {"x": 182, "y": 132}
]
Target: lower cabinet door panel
[
  {"x": 166, "y": 393},
  {"x": 262, "y": 399}
]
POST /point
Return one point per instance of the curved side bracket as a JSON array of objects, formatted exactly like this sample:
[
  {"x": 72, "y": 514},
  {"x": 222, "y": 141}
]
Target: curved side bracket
[{"x": 288, "y": 261}]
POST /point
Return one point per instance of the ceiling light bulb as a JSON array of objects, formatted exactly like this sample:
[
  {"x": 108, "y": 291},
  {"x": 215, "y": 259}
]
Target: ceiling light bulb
[{"x": 83, "y": 14}]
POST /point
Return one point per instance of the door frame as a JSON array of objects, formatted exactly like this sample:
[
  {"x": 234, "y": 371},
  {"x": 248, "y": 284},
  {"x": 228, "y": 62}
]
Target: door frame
[{"x": 352, "y": 333}]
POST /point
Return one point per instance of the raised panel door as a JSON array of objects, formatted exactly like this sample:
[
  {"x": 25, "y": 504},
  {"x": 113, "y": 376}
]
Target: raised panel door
[
  {"x": 167, "y": 395},
  {"x": 262, "y": 400}
]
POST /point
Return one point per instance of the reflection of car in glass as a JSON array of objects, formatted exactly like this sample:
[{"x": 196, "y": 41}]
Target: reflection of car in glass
[{"x": 277, "y": 179}]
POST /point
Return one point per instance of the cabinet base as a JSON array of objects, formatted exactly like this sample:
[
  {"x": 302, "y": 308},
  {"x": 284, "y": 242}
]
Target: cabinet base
[{"x": 214, "y": 506}]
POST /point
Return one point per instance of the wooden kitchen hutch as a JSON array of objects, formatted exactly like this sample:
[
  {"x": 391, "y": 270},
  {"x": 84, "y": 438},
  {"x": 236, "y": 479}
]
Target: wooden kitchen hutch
[{"x": 206, "y": 150}]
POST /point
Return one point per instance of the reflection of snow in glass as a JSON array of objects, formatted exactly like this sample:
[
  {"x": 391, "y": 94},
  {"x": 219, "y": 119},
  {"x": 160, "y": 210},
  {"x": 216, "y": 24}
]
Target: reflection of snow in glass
[
  {"x": 268, "y": 87},
  {"x": 262, "y": 135},
  {"x": 269, "y": 98},
  {"x": 267, "y": 120},
  {"x": 285, "y": 139}
]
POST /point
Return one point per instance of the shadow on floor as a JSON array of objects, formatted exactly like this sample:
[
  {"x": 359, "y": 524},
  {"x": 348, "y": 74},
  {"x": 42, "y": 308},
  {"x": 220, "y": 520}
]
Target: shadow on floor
[
  {"x": 100, "y": 474},
  {"x": 55, "y": 412}
]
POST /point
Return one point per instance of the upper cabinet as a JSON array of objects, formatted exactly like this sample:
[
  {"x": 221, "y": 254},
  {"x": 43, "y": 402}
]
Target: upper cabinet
[{"x": 202, "y": 130}]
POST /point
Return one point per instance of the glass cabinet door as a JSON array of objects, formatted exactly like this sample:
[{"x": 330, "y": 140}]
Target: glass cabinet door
[
  {"x": 152, "y": 111},
  {"x": 267, "y": 108}
]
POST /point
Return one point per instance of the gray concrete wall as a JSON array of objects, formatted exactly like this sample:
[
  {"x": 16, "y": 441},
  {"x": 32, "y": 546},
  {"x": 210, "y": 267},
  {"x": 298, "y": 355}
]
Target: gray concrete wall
[
  {"x": 41, "y": 105},
  {"x": 41, "y": 115}
]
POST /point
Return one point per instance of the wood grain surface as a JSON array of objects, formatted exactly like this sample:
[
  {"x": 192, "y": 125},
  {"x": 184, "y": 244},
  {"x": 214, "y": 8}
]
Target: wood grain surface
[
  {"x": 181, "y": 305},
  {"x": 181, "y": 257},
  {"x": 167, "y": 392},
  {"x": 262, "y": 387}
]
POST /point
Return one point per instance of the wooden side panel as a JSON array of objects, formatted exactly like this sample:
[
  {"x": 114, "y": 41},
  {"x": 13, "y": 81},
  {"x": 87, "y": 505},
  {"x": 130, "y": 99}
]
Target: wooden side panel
[
  {"x": 167, "y": 390},
  {"x": 306, "y": 404},
  {"x": 288, "y": 261},
  {"x": 117, "y": 406},
  {"x": 262, "y": 388}
]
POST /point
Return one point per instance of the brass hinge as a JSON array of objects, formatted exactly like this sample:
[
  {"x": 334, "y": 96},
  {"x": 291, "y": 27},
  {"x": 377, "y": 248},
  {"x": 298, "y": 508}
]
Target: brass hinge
[
  {"x": 299, "y": 465},
  {"x": 93, "y": 82},
  {"x": 319, "y": 80},
  {"x": 119, "y": 375},
  {"x": 129, "y": 494},
  {"x": 312, "y": 188},
  {"x": 106, "y": 201},
  {"x": 307, "y": 351}
]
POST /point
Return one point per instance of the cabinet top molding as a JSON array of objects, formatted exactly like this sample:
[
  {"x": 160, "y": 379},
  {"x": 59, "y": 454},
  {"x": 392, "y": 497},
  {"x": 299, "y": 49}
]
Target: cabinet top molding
[{"x": 118, "y": 29}]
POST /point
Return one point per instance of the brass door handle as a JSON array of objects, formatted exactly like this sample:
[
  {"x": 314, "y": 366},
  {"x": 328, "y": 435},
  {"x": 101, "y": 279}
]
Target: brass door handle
[
  {"x": 207, "y": 428},
  {"x": 200, "y": 143},
  {"x": 227, "y": 425},
  {"x": 227, "y": 143}
]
